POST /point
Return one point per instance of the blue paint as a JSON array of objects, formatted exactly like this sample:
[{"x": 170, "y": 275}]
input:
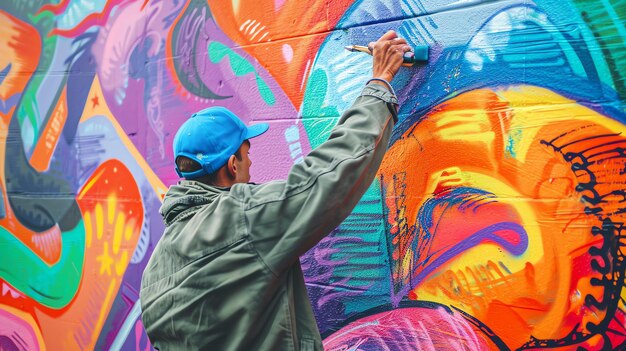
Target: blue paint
[
  {"x": 548, "y": 41},
  {"x": 488, "y": 234},
  {"x": 8, "y": 104},
  {"x": 4, "y": 73}
]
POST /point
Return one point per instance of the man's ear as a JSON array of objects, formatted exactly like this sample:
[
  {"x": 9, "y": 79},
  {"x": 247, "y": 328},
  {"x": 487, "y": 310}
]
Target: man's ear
[{"x": 232, "y": 166}]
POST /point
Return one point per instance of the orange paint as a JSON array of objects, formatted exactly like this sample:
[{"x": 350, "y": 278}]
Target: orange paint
[
  {"x": 495, "y": 141},
  {"x": 24, "y": 45},
  {"x": 263, "y": 31}
]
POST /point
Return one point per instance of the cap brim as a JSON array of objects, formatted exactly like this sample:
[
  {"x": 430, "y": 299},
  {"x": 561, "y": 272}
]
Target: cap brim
[{"x": 257, "y": 129}]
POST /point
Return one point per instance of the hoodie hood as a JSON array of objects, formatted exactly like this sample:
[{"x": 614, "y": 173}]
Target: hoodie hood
[{"x": 185, "y": 196}]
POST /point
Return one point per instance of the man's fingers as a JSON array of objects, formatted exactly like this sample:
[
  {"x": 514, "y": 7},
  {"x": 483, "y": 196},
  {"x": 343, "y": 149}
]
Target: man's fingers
[
  {"x": 401, "y": 49},
  {"x": 398, "y": 41},
  {"x": 388, "y": 55},
  {"x": 391, "y": 34},
  {"x": 390, "y": 44},
  {"x": 390, "y": 40},
  {"x": 406, "y": 48},
  {"x": 380, "y": 45}
]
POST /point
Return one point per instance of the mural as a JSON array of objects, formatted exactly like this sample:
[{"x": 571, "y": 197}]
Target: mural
[{"x": 497, "y": 219}]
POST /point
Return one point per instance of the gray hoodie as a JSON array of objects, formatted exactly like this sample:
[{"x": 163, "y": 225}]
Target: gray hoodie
[{"x": 226, "y": 273}]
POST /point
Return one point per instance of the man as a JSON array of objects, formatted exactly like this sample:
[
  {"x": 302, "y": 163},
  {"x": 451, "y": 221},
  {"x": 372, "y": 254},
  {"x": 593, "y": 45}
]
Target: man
[{"x": 226, "y": 273}]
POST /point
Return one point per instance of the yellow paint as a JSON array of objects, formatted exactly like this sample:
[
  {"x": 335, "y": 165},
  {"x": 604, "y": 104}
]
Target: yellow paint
[
  {"x": 407, "y": 263},
  {"x": 118, "y": 232},
  {"x": 448, "y": 177},
  {"x": 94, "y": 180},
  {"x": 105, "y": 260},
  {"x": 99, "y": 220},
  {"x": 236, "y": 7},
  {"x": 544, "y": 109},
  {"x": 128, "y": 230},
  {"x": 122, "y": 263}
]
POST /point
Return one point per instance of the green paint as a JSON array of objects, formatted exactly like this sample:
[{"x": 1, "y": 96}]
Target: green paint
[
  {"x": 514, "y": 137},
  {"x": 53, "y": 286},
  {"x": 28, "y": 111},
  {"x": 616, "y": 19},
  {"x": 265, "y": 91},
  {"x": 318, "y": 119},
  {"x": 240, "y": 67},
  {"x": 605, "y": 20}
]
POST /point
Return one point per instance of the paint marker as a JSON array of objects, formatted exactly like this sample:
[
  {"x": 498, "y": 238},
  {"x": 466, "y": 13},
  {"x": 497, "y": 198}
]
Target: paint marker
[{"x": 419, "y": 53}]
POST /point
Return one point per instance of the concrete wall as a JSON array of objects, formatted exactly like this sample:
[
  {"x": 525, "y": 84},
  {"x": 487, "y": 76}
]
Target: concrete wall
[{"x": 496, "y": 221}]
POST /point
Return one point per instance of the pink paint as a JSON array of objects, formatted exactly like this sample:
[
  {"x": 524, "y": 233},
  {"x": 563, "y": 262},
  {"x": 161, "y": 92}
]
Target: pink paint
[
  {"x": 287, "y": 53},
  {"x": 278, "y": 4},
  {"x": 405, "y": 328},
  {"x": 139, "y": 335},
  {"x": 16, "y": 328}
]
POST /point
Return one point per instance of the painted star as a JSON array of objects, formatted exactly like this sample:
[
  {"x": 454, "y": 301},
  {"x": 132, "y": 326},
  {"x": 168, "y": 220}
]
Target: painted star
[
  {"x": 95, "y": 101},
  {"x": 105, "y": 260}
]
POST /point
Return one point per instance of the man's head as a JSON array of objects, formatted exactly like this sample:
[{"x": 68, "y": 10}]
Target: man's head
[{"x": 213, "y": 145}]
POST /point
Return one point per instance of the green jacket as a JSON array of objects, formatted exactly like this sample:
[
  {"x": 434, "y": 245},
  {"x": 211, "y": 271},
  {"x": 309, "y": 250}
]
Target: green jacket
[{"x": 226, "y": 274}]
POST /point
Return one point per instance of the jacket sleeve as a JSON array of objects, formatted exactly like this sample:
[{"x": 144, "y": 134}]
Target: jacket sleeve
[{"x": 287, "y": 218}]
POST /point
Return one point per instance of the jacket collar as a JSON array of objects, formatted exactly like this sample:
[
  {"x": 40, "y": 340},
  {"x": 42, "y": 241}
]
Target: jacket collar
[{"x": 187, "y": 195}]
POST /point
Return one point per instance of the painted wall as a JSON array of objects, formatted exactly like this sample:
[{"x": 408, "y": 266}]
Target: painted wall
[{"x": 497, "y": 220}]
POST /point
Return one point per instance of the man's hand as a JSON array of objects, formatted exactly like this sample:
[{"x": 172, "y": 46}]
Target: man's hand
[{"x": 388, "y": 52}]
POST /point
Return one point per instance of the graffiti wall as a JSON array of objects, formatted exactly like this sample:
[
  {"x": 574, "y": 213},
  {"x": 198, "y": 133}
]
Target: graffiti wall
[{"x": 496, "y": 221}]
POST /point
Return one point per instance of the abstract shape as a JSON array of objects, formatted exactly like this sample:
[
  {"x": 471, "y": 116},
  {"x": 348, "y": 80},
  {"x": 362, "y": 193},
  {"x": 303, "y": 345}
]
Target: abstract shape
[
  {"x": 253, "y": 22},
  {"x": 568, "y": 210},
  {"x": 112, "y": 211},
  {"x": 188, "y": 37},
  {"x": 423, "y": 327}
]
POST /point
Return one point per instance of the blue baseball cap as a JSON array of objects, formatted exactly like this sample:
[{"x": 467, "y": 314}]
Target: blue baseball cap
[{"x": 210, "y": 137}]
